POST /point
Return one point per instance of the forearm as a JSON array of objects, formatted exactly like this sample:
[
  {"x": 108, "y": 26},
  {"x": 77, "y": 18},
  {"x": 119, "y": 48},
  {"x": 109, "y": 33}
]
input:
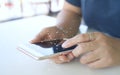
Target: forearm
[{"x": 68, "y": 22}]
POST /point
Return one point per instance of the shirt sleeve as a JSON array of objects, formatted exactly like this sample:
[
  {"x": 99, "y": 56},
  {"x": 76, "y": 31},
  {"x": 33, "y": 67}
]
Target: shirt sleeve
[{"x": 75, "y": 2}]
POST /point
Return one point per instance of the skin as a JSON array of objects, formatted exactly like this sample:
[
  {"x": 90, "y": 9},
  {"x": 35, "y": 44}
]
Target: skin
[
  {"x": 102, "y": 52},
  {"x": 68, "y": 22}
]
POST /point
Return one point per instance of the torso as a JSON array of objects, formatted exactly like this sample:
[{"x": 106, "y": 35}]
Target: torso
[{"x": 103, "y": 15}]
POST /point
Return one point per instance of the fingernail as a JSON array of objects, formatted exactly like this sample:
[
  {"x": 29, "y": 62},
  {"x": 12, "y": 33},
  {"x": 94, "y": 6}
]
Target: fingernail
[
  {"x": 70, "y": 56},
  {"x": 31, "y": 41},
  {"x": 64, "y": 45},
  {"x": 75, "y": 53}
]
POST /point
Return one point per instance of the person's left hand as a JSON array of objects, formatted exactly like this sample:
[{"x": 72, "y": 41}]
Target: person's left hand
[{"x": 97, "y": 50}]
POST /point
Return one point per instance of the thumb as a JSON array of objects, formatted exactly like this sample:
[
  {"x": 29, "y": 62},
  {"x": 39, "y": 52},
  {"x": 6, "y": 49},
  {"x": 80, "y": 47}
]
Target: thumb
[{"x": 40, "y": 37}]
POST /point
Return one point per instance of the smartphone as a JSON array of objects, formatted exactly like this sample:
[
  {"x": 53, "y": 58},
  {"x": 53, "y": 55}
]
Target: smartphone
[{"x": 44, "y": 50}]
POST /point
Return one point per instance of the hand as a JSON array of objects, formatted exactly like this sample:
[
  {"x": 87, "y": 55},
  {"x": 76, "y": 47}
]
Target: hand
[
  {"x": 54, "y": 33},
  {"x": 50, "y": 33},
  {"x": 100, "y": 51},
  {"x": 64, "y": 58}
]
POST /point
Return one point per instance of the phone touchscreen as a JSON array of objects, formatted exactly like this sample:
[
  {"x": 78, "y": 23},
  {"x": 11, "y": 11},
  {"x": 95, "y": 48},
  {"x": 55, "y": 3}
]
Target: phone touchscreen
[{"x": 44, "y": 50}]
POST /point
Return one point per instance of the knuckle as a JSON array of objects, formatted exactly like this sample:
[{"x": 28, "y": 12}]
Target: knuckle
[
  {"x": 101, "y": 35},
  {"x": 83, "y": 36},
  {"x": 87, "y": 45}
]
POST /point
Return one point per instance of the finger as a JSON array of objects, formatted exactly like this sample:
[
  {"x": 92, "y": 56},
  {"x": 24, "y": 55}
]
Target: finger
[
  {"x": 61, "y": 42},
  {"x": 70, "y": 56},
  {"x": 90, "y": 57},
  {"x": 56, "y": 60},
  {"x": 77, "y": 39},
  {"x": 84, "y": 48},
  {"x": 99, "y": 64},
  {"x": 60, "y": 59},
  {"x": 39, "y": 38}
]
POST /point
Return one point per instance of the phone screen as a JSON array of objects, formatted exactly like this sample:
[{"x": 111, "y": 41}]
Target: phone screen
[{"x": 44, "y": 50}]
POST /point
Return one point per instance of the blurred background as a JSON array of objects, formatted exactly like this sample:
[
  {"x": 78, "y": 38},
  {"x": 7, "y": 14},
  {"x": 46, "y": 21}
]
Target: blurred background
[{"x": 18, "y": 9}]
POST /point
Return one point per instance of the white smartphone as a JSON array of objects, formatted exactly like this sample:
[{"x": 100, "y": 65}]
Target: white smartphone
[{"x": 44, "y": 50}]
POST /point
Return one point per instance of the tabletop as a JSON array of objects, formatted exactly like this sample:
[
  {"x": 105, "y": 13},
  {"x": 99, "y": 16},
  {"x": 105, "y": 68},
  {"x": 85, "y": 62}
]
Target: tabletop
[{"x": 13, "y": 62}]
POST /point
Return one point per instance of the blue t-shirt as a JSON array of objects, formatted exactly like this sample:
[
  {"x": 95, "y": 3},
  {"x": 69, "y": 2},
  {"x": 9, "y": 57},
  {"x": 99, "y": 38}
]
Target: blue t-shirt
[{"x": 103, "y": 15}]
